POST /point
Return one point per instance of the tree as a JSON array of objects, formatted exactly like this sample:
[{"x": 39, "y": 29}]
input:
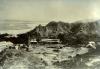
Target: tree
[
  {"x": 38, "y": 37},
  {"x": 61, "y": 37}
]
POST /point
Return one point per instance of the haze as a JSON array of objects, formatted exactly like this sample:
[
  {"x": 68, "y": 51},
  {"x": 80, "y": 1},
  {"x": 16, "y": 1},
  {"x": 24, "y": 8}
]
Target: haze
[{"x": 49, "y": 10}]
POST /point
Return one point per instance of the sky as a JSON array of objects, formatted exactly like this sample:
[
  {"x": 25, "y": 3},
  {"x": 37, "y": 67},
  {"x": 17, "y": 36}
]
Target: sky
[{"x": 49, "y": 10}]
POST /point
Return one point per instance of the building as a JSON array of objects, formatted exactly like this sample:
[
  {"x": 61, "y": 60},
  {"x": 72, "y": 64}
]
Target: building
[
  {"x": 50, "y": 41},
  {"x": 33, "y": 41}
]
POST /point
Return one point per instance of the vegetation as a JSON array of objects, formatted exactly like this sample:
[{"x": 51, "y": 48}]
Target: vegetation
[{"x": 68, "y": 33}]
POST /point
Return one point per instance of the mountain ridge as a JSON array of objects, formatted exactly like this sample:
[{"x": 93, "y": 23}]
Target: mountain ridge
[{"x": 54, "y": 28}]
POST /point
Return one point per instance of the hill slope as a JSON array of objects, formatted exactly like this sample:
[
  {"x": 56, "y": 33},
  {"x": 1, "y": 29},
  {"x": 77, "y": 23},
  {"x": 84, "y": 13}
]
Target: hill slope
[{"x": 55, "y": 28}]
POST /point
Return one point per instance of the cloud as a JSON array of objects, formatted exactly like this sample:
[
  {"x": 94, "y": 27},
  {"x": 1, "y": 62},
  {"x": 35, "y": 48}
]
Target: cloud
[{"x": 47, "y": 10}]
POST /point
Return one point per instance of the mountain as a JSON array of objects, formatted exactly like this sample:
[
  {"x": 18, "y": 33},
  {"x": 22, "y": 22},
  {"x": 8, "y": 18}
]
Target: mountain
[
  {"x": 76, "y": 32},
  {"x": 53, "y": 29}
]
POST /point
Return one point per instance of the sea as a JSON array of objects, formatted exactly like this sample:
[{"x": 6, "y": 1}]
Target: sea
[{"x": 18, "y": 27}]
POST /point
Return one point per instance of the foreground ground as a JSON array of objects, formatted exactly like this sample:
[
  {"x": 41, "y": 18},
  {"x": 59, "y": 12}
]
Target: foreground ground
[{"x": 41, "y": 57}]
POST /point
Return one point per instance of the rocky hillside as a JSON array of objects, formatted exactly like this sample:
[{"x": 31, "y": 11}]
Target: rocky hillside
[{"x": 53, "y": 29}]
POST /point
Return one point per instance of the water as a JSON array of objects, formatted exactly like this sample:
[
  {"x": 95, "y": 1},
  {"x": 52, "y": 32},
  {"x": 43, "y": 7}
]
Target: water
[{"x": 16, "y": 28}]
